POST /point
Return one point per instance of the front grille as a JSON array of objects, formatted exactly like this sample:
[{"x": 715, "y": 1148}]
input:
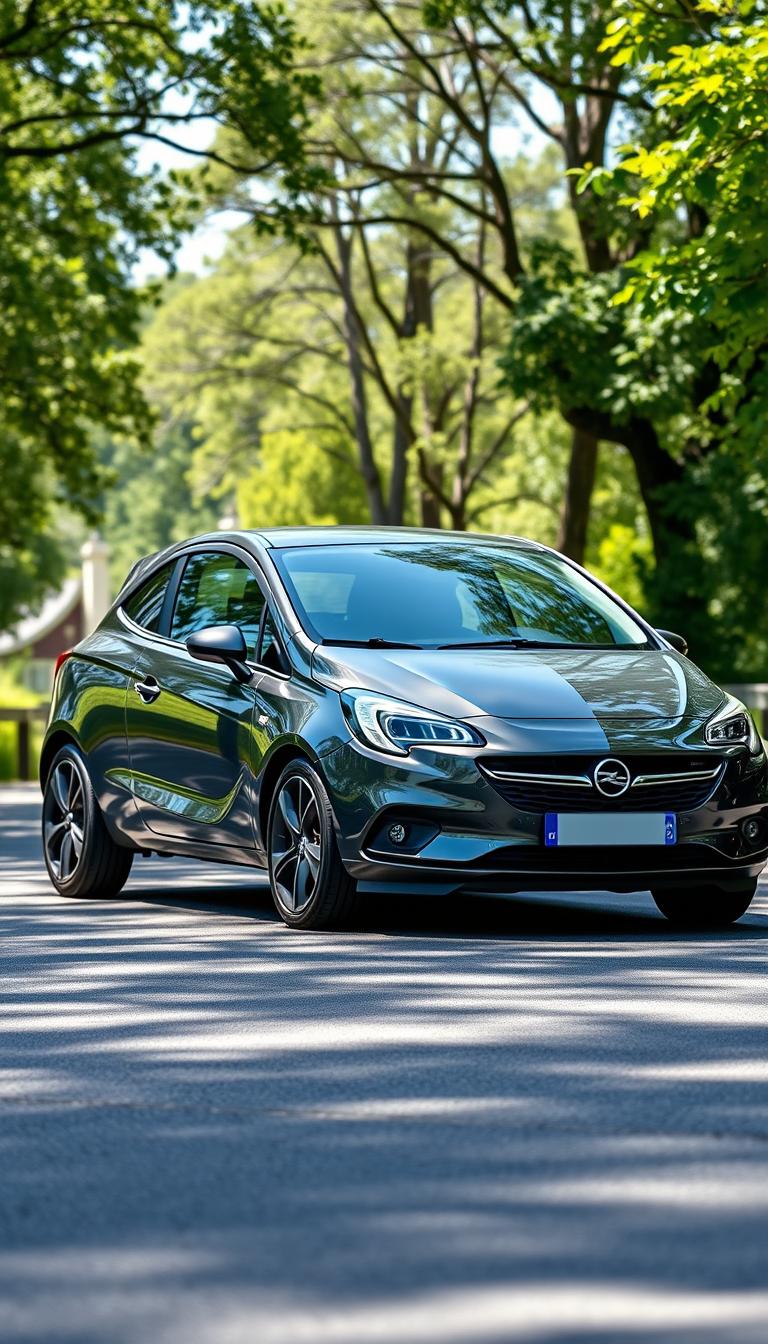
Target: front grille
[{"x": 660, "y": 783}]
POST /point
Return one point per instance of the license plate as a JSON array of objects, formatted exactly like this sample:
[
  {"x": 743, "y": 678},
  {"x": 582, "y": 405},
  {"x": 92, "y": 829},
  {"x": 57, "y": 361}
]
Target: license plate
[{"x": 610, "y": 828}]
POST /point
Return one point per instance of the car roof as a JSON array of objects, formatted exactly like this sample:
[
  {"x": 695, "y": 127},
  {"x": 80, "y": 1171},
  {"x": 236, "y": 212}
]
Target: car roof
[
  {"x": 283, "y": 538},
  {"x": 280, "y": 538}
]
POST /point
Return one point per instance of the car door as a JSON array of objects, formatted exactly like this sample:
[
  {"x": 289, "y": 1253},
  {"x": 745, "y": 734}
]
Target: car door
[
  {"x": 189, "y": 722},
  {"x": 100, "y": 692}
]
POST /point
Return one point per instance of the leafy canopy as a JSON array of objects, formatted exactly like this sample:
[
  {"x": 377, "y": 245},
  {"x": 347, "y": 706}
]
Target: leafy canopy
[
  {"x": 708, "y": 77},
  {"x": 81, "y": 87}
]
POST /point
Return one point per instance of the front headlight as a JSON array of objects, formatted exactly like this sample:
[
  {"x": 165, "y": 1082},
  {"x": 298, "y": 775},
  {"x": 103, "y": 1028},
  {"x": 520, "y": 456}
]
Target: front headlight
[
  {"x": 733, "y": 725},
  {"x": 395, "y": 726}
]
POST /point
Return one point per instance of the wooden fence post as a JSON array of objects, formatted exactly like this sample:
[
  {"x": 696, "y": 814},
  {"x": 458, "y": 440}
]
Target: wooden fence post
[
  {"x": 22, "y": 745},
  {"x": 24, "y": 719}
]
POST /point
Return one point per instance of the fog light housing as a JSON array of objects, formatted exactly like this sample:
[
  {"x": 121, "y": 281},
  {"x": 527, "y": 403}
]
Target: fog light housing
[
  {"x": 401, "y": 835},
  {"x": 754, "y": 830}
]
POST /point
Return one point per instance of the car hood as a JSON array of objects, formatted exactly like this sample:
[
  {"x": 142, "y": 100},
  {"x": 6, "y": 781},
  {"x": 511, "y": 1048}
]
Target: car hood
[{"x": 518, "y": 684}]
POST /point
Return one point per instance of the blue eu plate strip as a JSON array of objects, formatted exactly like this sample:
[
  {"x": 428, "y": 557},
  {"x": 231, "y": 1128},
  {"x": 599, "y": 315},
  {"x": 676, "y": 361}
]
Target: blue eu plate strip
[{"x": 552, "y": 831}]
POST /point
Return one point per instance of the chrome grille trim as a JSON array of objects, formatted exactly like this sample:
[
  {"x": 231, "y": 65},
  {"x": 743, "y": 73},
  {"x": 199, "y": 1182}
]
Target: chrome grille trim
[
  {"x": 572, "y": 781},
  {"x": 643, "y": 781},
  {"x": 668, "y": 790},
  {"x": 584, "y": 782}
]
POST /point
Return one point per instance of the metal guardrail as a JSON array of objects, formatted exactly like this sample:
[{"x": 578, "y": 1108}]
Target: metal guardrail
[{"x": 24, "y": 719}]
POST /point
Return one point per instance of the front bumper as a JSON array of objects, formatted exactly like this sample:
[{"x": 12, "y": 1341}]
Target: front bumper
[{"x": 463, "y": 835}]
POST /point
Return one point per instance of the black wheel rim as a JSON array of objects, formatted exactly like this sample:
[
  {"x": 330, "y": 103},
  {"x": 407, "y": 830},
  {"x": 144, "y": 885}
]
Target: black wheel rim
[
  {"x": 64, "y": 820},
  {"x": 296, "y": 844}
]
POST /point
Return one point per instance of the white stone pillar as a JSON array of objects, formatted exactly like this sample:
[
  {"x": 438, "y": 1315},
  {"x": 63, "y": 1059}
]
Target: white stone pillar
[
  {"x": 230, "y": 521},
  {"x": 96, "y": 589}
]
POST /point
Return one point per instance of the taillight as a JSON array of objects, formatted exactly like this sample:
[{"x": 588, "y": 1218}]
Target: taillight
[{"x": 60, "y": 661}]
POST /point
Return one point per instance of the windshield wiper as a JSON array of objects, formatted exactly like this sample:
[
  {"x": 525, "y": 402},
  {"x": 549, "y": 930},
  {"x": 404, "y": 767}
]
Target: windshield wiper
[
  {"x": 514, "y": 644},
  {"x": 537, "y": 644},
  {"x": 376, "y": 642}
]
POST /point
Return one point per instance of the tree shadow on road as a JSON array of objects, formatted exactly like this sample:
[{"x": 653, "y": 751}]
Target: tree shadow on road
[
  {"x": 485, "y": 1121},
  {"x": 462, "y": 916}
]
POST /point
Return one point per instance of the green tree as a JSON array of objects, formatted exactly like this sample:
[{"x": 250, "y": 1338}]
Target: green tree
[
  {"x": 707, "y": 72},
  {"x": 28, "y": 550},
  {"x": 150, "y": 501},
  {"x": 256, "y": 355},
  {"x": 650, "y": 379},
  {"x": 410, "y": 141},
  {"x": 420, "y": 272},
  {"x": 80, "y": 88},
  {"x": 298, "y": 481}
]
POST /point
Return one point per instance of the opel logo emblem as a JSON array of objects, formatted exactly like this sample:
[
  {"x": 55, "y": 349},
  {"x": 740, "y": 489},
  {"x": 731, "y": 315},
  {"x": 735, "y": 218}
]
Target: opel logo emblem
[{"x": 612, "y": 778}]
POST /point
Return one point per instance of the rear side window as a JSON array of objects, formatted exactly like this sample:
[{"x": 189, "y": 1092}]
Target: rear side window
[
  {"x": 218, "y": 589},
  {"x": 145, "y": 606}
]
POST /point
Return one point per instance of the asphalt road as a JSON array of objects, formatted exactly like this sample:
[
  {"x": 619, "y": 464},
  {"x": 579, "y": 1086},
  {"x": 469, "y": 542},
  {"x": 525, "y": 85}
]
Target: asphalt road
[{"x": 533, "y": 1120}]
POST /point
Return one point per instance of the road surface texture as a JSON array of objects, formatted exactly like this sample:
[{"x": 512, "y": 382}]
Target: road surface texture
[{"x": 535, "y": 1120}]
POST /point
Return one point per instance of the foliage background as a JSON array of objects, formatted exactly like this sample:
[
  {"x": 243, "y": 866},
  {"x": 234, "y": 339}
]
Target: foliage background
[{"x": 494, "y": 265}]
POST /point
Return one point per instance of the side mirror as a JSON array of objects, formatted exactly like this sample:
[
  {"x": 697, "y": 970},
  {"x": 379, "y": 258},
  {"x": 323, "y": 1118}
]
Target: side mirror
[
  {"x": 221, "y": 644},
  {"x": 678, "y": 642}
]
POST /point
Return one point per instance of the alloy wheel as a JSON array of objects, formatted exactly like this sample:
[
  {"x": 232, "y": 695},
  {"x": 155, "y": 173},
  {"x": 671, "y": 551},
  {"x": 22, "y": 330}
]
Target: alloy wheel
[
  {"x": 64, "y": 820},
  {"x": 296, "y": 843}
]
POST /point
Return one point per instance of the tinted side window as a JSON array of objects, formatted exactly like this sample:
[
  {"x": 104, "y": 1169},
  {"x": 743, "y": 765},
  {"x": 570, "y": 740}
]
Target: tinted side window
[
  {"x": 146, "y": 604},
  {"x": 218, "y": 589}
]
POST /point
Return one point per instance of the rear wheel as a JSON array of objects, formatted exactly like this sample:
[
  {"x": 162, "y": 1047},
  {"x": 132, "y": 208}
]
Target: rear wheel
[
  {"x": 81, "y": 857},
  {"x": 310, "y": 886},
  {"x": 705, "y": 907}
]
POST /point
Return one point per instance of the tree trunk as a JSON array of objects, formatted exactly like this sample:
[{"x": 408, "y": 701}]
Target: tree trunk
[
  {"x": 574, "y": 519},
  {"x": 430, "y": 509},
  {"x": 677, "y": 592},
  {"x": 461, "y": 477},
  {"x": 417, "y": 314},
  {"x": 659, "y": 476},
  {"x": 368, "y": 468},
  {"x": 430, "y": 488},
  {"x": 458, "y": 513},
  {"x": 402, "y": 439}
]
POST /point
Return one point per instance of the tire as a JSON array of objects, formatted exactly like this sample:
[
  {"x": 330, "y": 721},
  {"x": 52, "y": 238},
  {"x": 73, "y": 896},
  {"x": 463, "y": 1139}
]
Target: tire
[
  {"x": 81, "y": 857},
  {"x": 705, "y": 907},
  {"x": 310, "y": 886}
]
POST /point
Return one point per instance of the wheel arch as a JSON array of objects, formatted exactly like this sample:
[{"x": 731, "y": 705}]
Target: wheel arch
[
  {"x": 54, "y": 741},
  {"x": 280, "y": 757}
]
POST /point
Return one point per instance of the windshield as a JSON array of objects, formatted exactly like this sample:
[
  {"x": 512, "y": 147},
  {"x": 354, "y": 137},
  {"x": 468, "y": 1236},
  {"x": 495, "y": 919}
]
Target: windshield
[{"x": 436, "y": 594}]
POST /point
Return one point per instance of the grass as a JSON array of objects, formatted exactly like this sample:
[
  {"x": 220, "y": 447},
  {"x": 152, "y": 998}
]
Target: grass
[{"x": 15, "y": 696}]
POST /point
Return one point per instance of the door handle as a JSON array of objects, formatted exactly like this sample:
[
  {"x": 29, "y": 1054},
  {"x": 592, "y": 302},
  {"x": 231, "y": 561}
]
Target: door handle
[{"x": 147, "y": 690}]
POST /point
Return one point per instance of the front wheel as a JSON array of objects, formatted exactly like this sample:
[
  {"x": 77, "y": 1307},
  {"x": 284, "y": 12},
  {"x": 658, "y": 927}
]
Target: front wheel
[
  {"x": 81, "y": 857},
  {"x": 310, "y": 886},
  {"x": 705, "y": 907}
]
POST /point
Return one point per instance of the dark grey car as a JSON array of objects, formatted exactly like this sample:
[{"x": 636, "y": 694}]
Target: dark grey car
[{"x": 388, "y": 710}]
